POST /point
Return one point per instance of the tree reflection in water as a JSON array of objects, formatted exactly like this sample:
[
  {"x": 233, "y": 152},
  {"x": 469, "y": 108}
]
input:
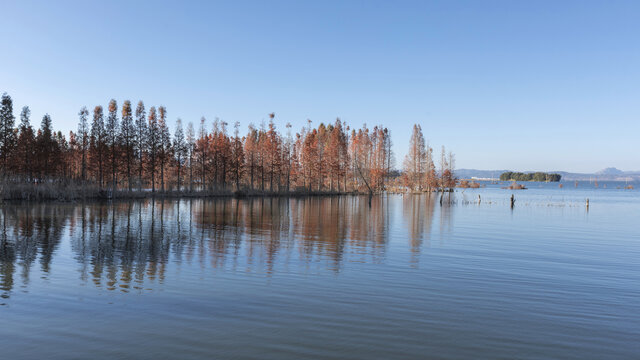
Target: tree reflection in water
[{"x": 129, "y": 245}]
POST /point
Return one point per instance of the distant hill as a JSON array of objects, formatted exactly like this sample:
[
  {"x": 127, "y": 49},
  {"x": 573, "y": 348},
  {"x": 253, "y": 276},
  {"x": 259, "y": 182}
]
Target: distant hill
[
  {"x": 610, "y": 171},
  {"x": 608, "y": 174}
]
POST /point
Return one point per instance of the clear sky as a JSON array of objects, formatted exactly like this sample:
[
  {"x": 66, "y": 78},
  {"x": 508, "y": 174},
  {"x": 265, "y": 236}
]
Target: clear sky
[{"x": 520, "y": 85}]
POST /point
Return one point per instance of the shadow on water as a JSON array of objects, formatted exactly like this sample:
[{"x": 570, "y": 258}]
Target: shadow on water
[{"x": 128, "y": 246}]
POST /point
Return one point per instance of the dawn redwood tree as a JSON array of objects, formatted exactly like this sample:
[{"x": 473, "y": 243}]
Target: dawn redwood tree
[
  {"x": 387, "y": 156},
  {"x": 140, "y": 139},
  {"x": 365, "y": 152},
  {"x": 97, "y": 148},
  {"x": 45, "y": 148},
  {"x": 179, "y": 148},
  {"x": 378, "y": 157},
  {"x": 7, "y": 134},
  {"x": 201, "y": 147},
  {"x": 287, "y": 154},
  {"x": 335, "y": 150},
  {"x": 415, "y": 160},
  {"x": 215, "y": 153},
  {"x": 447, "y": 165},
  {"x": 191, "y": 146},
  {"x": 295, "y": 168},
  {"x": 262, "y": 153},
  {"x": 62, "y": 156},
  {"x": 73, "y": 157},
  {"x": 128, "y": 138},
  {"x": 112, "y": 133},
  {"x": 251, "y": 153},
  {"x": 431, "y": 177},
  {"x": 25, "y": 145},
  {"x": 272, "y": 146},
  {"x": 309, "y": 157},
  {"x": 82, "y": 139},
  {"x": 153, "y": 143},
  {"x": 223, "y": 147},
  {"x": 344, "y": 153},
  {"x": 237, "y": 156},
  {"x": 450, "y": 179},
  {"x": 164, "y": 148}
]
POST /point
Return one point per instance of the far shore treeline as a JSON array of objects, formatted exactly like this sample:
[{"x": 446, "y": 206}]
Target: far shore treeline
[
  {"x": 537, "y": 176},
  {"x": 128, "y": 150}
]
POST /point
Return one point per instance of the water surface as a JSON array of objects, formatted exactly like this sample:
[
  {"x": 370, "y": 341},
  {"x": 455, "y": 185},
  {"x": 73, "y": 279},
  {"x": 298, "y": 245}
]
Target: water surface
[{"x": 328, "y": 278}]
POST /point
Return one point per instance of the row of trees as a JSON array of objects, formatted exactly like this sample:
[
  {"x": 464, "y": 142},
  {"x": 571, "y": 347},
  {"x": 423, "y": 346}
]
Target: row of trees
[
  {"x": 127, "y": 148},
  {"x": 537, "y": 176},
  {"x": 420, "y": 171}
]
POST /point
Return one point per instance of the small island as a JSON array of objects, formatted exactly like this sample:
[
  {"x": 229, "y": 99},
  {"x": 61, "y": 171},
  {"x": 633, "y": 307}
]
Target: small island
[{"x": 537, "y": 176}]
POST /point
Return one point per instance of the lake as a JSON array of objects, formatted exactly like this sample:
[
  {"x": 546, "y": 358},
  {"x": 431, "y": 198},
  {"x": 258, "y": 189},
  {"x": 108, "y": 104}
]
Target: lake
[{"x": 408, "y": 277}]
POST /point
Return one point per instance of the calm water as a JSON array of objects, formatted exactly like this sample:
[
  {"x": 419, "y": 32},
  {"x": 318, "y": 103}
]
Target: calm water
[{"x": 328, "y": 278}]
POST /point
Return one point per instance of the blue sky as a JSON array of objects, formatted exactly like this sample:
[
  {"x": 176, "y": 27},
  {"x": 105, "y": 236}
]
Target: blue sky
[{"x": 521, "y": 85}]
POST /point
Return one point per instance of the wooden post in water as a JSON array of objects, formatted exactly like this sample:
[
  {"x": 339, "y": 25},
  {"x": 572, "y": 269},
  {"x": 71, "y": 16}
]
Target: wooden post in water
[
  {"x": 479, "y": 199},
  {"x": 513, "y": 200},
  {"x": 587, "y": 204}
]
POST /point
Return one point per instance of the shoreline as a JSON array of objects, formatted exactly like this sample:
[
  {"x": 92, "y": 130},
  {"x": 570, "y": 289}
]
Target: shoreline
[{"x": 75, "y": 193}]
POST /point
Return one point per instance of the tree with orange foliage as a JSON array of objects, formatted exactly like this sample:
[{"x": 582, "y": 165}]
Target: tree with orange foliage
[
  {"x": 271, "y": 148},
  {"x": 237, "y": 156},
  {"x": 112, "y": 133},
  {"x": 251, "y": 148},
  {"x": 127, "y": 139},
  {"x": 286, "y": 157},
  {"x": 202, "y": 145},
  {"x": 191, "y": 147},
  {"x": 447, "y": 165},
  {"x": 431, "y": 177},
  {"x": 153, "y": 143},
  {"x": 309, "y": 157},
  {"x": 140, "y": 139},
  {"x": 415, "y": 161},
  {"x": 97, "y": 145},
  {"x": 164, "y": 143}
]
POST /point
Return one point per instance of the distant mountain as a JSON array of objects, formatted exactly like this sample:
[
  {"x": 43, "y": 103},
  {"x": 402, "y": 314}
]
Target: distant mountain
[
  {"x": 610, "y": 171},
  {"x": 608, "y": 174}
]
